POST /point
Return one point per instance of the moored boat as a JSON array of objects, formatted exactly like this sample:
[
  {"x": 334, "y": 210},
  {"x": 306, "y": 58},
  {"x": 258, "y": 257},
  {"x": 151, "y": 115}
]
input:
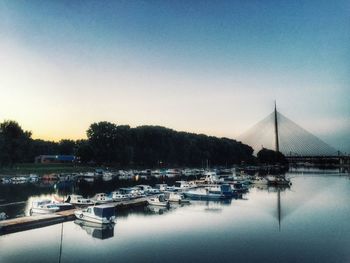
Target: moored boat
[
  {"x": 161, "y": 187},
  {"x": 226, "y": 190},
  {"x": 63, "y": 206},
  {"x": 19, "y": 180},
  {"x": 103, "y": 214},
  {"x": 33, "y": 178},
  {"x": 5, "y": 180},
  {"x": 173, "y": 197},
  {"x": 159, "y": 200},
  {"x": 3, "y": 216},
  {"x": 101, "y": 198},
  {"x": 204, "y": 194},
  {"x": 79, "y": 200},
  {"x": 89, "y": 177},
  {"x": 260, "y": 181},
  {"x": 118, "y": 196},
  {"x": 107, "y": 176},
  {"x": 183, "y": 186},
  {"x": 43, "y": 207}
]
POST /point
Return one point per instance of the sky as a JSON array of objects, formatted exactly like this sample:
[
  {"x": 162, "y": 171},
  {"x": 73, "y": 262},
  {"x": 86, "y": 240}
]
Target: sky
[{"x": 212, "y": 67}]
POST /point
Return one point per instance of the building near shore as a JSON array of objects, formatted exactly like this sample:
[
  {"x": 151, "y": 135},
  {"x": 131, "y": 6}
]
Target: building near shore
[{"x": 55, "y": 159}]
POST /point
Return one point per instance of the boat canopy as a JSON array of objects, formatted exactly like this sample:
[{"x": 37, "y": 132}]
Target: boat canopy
[
  {"x": 225, "y": 188},
  {"x": 161, "y": 198},
  {"x": 106, "y": 211},
  {"x": 41, "y": 202}
]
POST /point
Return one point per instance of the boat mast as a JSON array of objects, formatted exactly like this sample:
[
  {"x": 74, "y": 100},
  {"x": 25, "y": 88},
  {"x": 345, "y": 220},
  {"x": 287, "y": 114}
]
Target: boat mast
[
  {"x": 60, "y": 256},
  {"x": 279, "y": 208}
]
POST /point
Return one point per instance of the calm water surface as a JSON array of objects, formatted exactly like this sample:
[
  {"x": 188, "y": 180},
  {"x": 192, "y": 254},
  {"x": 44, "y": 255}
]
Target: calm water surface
[{"x": 310, "y": 222}]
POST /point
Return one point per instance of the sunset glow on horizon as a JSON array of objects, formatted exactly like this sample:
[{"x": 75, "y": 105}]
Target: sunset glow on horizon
[{"x": 200, "y": 67}]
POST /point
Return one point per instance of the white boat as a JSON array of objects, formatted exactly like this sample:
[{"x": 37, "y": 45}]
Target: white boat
[
  {"x": 212, "y": 178},
  {"x": 3, "y": 216},
  {"x": 44, "y": 207},
  {"x": 117, "y": 196},
  {"x": 158, "y": 201},
  {"x": 103, "y": 214},
  {"x": 147, "y": 190},
  {"x": 172, "y": 173},
  {"x": 19, "y": 180},
  {"x": 89, "y": 177},
  {"x": 63, "y": 206},
  {"x": 131, "y": 192},
  {"x": 155, "y": 173},
  {"x": 107, "y": 176},
  {"x": 184, "y": 185},
  {"x": 79, "y": 200},
  {"x": 204, "y": 194},
  {"x": 173, "y": 197},
  {"x": 101, "y": 198},
  {"x": 161, "y": 187},
  {"x": 260, "y": 181},
  {"x": 188, "y": 172},
  {"x": 33, "y": 178},
  {"x": 5, "y": 180}
]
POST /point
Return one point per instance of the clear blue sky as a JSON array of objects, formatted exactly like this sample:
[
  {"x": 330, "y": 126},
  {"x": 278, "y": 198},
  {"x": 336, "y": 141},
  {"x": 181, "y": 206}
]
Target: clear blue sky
[{"x": 203, "y": 66}]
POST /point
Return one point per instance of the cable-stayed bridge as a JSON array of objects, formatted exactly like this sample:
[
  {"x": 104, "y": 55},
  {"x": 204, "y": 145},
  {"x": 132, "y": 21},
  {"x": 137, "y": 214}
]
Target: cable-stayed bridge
[{"x": 279, "y": 133}]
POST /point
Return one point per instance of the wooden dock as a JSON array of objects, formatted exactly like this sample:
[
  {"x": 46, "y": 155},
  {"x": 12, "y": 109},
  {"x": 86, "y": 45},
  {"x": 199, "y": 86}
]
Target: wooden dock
[{"x": 37, "y": 221}]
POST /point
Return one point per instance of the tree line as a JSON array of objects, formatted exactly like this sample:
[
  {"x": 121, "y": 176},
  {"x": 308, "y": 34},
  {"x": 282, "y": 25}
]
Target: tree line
[{"x": 108, "y": 143}]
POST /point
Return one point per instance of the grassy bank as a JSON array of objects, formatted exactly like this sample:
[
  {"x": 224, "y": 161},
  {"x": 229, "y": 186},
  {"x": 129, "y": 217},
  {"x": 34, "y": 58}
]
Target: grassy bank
[{"x": 43, "y": 169}]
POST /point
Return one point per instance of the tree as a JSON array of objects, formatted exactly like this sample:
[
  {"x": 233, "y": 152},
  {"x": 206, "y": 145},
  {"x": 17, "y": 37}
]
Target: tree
[
  {"x": 84, "y": 151},
  {"x": 14, "y": 143},
  {"x": 41, "y": 147},
  {"x": 151, "y": 145},
  {"x": 102, "y": 138},
  {"x": 271, "y": 157},
  {"x": 66, "y": 147}
]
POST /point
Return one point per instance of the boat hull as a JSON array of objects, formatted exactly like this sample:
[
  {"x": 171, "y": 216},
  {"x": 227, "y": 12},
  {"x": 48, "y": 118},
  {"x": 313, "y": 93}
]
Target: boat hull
[
  {"x": 203, "y": 196},
  {"x": 161, "y": 204},
  {"x": 93, "y": 219},
  {"x": 36, "y": 210}
]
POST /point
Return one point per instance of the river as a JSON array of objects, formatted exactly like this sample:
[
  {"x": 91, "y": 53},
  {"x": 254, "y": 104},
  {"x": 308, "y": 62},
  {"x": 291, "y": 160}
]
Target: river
[{"x": 308, "y": 222}]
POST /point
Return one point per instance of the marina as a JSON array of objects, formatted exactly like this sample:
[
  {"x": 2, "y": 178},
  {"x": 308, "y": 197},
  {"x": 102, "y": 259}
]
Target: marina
[
  {"x": 25, "y": 223},
  {"x": 174, "y": 131},
  {"x": 267, "y": 218}
]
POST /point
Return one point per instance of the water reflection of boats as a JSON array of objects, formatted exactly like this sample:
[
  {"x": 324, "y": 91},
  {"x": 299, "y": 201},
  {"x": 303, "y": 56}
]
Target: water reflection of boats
[
  {"x": 278, "y": 180},
  {"x": 156, "y": 209},
  {"x": 213, "y": 207},
  {"x": 97, "y": 230}
]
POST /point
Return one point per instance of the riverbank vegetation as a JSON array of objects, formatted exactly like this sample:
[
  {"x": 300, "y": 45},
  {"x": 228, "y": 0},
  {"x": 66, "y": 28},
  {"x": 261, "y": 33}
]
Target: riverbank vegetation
[
  {"x": 121, "y": 145},
  {"x": 266, "y": 156}
]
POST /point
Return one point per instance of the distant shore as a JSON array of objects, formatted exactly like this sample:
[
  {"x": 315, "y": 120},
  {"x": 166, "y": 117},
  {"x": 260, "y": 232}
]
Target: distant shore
[{"x": 44, "y": 169}]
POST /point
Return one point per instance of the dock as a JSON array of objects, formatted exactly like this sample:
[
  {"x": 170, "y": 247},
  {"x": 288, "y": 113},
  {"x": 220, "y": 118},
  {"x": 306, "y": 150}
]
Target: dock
[{"x": 31, "y": 222}]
